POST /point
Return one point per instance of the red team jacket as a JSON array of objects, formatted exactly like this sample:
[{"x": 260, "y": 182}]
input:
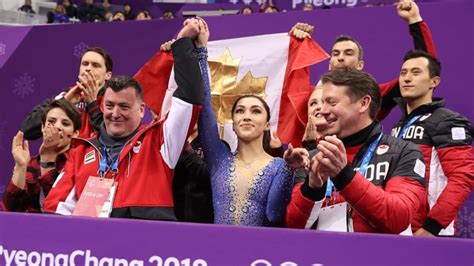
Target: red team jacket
[
  {"x": 445, "y": 139},
  {"x": 146, "y": 161},
  {"x": 384, "y": 200}
]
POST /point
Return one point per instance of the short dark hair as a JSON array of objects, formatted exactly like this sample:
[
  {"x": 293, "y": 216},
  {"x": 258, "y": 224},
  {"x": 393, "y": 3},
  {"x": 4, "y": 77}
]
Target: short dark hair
[
  {"x": 119, "y": 83},
  {"x": 359, "y": 84},
  {"x": 68, "y": 108},
  {"x": 434, "y": 65},
  {"x": 344, "y": 38},
  {"x": 107, "y": 59}
]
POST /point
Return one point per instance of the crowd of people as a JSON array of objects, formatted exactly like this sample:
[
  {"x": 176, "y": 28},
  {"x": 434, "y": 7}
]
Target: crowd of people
[
  {"x": 66, "y": 11},
  {"x": 347, "y": 176}
]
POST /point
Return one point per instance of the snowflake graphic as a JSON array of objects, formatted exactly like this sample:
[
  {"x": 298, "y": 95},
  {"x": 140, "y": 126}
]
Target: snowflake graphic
[
  {"x": 247, "y": 2},
  {"x": 3, "y": 133},
  {"x": 24, "y": 85},
  {"x": 79, "y": 49},
  {"x": 233, "y": 1},
  {"x": 466, "y": 223},
  {"x": 3, "y": 48}
]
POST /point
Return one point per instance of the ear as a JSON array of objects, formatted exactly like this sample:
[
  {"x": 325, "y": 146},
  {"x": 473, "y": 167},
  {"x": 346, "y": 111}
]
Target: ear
[
  {"x": 360, "y": 65},
  {"x": 142, "y": 110},
  {"x": 267, "y": 126},
  {"x": 435, "y": 81},
  {"x": 108, "y": 75},
  {"x": 75, "y": 133},
  {"x": 365, "y": 103}
]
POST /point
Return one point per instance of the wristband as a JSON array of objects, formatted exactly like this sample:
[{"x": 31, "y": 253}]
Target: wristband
[{"x": 47, "y": 164}]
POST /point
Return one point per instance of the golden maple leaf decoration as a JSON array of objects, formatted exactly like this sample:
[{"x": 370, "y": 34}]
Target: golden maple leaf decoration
[{"x": 225, "y": 89}]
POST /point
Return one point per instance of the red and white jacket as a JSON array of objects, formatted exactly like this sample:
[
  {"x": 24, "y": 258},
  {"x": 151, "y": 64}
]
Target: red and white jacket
[
  {"x": 445, "y": 139},
  {"x": 146, "y": 162},
  {"x": 384, "y": 200}
]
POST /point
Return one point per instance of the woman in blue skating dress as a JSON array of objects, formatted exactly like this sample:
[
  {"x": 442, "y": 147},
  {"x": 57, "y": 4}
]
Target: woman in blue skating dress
[{"x": 249, "y": 187}]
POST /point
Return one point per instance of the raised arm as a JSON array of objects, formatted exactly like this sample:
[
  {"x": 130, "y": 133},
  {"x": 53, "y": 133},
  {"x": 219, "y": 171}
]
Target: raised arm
[
  {"x": 187, "y": 98},
  {"x": 409, "y": 11},
  {"x": 212, "y": 146}
]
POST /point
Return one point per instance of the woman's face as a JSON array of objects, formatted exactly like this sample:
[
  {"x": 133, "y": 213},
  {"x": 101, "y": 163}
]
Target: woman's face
[
  {"x": 57, "y": 118},
  {"x": 250, "y": 119}
]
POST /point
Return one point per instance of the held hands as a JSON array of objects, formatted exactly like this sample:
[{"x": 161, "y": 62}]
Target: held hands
[
  {"x": 203, "y": 36},
  {"x": 408, "y": 10},
  {"x": 190, "y": 29},
  {"x": 302, "y": 30},
  {"x": 296, "y": 157},
  {"x": 20, "y": 150}
]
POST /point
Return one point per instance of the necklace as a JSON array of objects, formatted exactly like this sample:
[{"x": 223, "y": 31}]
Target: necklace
[{"x": 247, "y": 165}]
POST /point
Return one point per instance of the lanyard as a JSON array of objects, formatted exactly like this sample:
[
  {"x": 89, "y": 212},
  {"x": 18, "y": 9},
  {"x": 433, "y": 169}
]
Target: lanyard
[
  {"x": 407, "y": 125},
  {"x": 103, "y": 166},
  {"x": 368, "y": 155},
  {"x": 362, "y": 166},
  {"x": 329, "y": 188}
]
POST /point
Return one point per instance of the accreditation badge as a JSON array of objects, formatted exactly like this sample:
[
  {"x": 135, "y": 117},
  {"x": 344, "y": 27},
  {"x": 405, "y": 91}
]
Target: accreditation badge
[
  {"x": 97, "y": 197},
  {"x": 333, "y": 218}
]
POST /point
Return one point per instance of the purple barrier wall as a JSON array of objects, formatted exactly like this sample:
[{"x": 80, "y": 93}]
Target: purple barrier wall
[
  {"x": 37, "y": 62},
  {"x": 82, "y": 241}
]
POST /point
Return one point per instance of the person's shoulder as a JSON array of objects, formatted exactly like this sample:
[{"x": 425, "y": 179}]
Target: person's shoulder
[
  {"x": 397, "y": 145},
  {"x": 446, "y": 114}
]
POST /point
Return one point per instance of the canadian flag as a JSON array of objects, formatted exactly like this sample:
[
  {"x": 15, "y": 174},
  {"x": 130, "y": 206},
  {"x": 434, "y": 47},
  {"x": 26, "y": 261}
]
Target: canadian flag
[{"x": 273, "y": 66}]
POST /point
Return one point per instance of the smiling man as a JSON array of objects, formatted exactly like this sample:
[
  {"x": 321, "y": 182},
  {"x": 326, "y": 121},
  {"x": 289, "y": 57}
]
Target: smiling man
[
  {"x": 380, "y": 177},
  {"x": 137, "y": 159},
  {"x": 445, "y": 139}
]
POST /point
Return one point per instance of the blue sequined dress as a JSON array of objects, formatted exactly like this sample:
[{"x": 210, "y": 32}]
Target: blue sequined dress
[{"x": 269, "y": 191}]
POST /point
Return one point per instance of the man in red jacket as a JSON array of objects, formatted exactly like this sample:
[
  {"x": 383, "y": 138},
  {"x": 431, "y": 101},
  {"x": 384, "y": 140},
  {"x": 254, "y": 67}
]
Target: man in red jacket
[
  {"x": 445, "y": 139},
  {"x": 135, "y": 160},
  {"x": 380, "y": 177}
]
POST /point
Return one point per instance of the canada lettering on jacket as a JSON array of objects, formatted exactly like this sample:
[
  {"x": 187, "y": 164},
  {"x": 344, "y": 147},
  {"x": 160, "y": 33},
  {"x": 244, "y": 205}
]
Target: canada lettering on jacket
[
  {"x": 413, "y": 132},
  {"x": 376, "y": 172}
]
